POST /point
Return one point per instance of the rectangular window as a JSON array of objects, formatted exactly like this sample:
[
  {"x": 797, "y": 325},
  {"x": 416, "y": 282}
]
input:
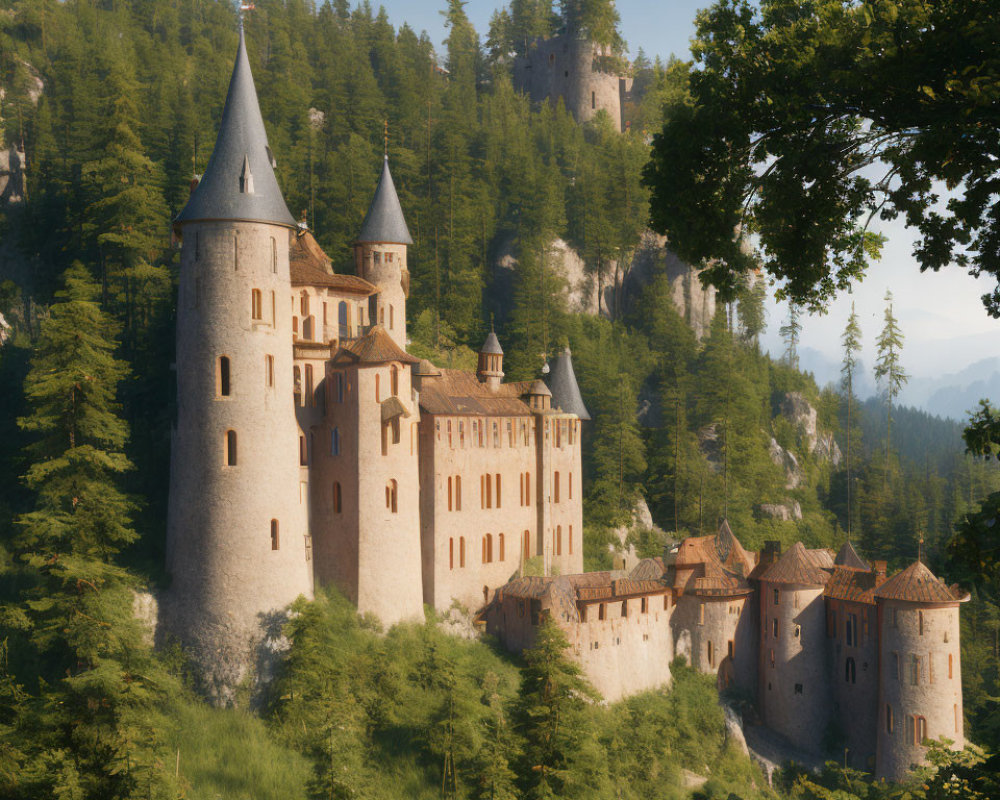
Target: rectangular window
[
  {"x": 798, "y": 688},
  {"x": 851, "y": 630},
  {"x": 889, "y": 726},
  {"x": 497, "y": 476},
  {"x": 644, "y": 605},
  {"x": 774, "y": 627},
  {"x": 624, "y": 608},
  {"x": 895, "y": 666},
  {"x": 914, "y": 669},
  {"x": 701, "y": 613},
  {"x": 458, "y": 492},
  {"x": 601, "y": 613},
  {"x": 920, "y": 615},
  {"x": 950, "y": 673},
  {"x": 449, "y": 492},
  {"x": 269, "y": 370},
  {"x": 776, "y": 597},
  {"x": 569, "y": 486},
  {"x": 555, "y": 488}
]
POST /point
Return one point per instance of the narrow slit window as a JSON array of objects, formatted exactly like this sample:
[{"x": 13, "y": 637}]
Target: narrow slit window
[
  {"x": 223, "y": 376},
  {"x": 269, "y": 371},
  {"x": 230, "y": 448},
  {"x": 274, "y": 535},
  {"x": 256, "y": 305},
  {"x": 337, "y": 498}
]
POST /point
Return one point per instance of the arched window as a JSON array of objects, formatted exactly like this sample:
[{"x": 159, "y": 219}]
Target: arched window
[
  {"x": 274, "y": 534},
  {"x": 378, "y": 393},
  {"x": 391, "y": 490},
  {"x": 461, "y": 551},
  {"x": 558, "y": 540},
  {"x": 850, "y": 671},
  {"x": 335, "y": 442},
  {"x": 230, "y": 448},
  {"x": 256, "y": 305},
  {"x": 500, "y": 545},
  {"x": 919, "y": 725},
  {"x": 337, "y": 498},
  {"x": 395, "y": 380},
  {"x": 222, "y": 384},
  {"x": 309, "y": 398}
]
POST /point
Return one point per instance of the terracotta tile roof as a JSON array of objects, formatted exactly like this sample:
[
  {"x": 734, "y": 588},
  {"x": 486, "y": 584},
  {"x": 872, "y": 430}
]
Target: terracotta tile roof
[
  {"x": 801, "y": 566},
  {"x": 528, "y": 587},
  {"x": 457, "y": 392},
  {"x": 375, "y": 347},
  {"x": 649, "y": 569},
  {"x": 853, "y": 585},
  {"x": 917, "y": 584},
  {"x": 848, "y": 557},
  {"x": 310, "y": 266},
  {"x": 712, "y": 565}
]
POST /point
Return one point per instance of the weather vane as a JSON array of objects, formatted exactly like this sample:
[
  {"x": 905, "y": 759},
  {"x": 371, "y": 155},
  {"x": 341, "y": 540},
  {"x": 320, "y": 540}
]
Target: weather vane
[
  {"x": 244, "y": 8},
  {"x": 386, "y": 150}
]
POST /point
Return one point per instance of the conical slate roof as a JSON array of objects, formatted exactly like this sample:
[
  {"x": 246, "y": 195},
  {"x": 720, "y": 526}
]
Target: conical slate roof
[
  {"x": 565, "y": 390},
  {"x": 492, "y": 345},
  {"x": 848, "y": 557},
  {"x": 384, "y": 222},
  {"x": 239, "y": 182},
  {"x": 798, "y": 566},
  {"x": 917, "y": 584}
]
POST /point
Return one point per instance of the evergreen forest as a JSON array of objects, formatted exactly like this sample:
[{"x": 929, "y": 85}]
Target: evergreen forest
[{"x": 115, "y": 104}]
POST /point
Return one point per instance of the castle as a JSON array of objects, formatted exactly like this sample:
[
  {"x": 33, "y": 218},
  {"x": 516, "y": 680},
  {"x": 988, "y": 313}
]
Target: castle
[
  {"x": 837, "y": 656},
  {"x": 310, "y": 447}
]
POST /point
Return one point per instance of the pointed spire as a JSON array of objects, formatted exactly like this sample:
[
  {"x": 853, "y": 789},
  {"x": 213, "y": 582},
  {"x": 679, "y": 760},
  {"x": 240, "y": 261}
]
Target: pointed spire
[
  {"x": 239, "y": 182},
  {"x": 384, "y": 222},
  {"x": 565, "y": 390}
]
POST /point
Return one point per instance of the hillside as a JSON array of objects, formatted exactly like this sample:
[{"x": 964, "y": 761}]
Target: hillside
[{"x": 517, "y": 213}]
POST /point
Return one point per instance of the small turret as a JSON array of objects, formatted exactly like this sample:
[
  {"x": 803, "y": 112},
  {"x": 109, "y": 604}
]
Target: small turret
[
  {"x": 490, "y": 370},
  {"x": 565, "y": 390},
  {"x": 539, "y": 397},
  {"x": 380, "y": 257}
]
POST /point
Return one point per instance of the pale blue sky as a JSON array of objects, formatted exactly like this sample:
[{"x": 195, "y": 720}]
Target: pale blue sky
[{"x": 940, "y": 314}]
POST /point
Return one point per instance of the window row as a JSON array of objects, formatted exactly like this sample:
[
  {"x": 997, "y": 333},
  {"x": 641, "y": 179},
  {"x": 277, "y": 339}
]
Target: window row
[
  {"x": 918, "y": 669},
  {"x": 236, "y": 245},
  {"x": 494, "y": 432},
  {"x": 345, "y": 329},
  {"x": 487, "y": 483},
  {"x": 489, "y": 554},
  {"x": 645, "y": 603}
]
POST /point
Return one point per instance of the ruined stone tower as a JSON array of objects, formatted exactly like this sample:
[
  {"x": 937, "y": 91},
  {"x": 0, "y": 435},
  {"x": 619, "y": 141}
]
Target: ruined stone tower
[
  {"x": 238, "y": 546},
  {"x": 571, "y": 67},
  {"x": 920, "y": 673},
  {"x": 380, "y": 257}
]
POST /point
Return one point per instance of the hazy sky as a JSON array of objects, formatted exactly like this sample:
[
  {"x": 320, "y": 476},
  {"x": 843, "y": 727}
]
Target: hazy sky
[{"x": 941, "y": 314}]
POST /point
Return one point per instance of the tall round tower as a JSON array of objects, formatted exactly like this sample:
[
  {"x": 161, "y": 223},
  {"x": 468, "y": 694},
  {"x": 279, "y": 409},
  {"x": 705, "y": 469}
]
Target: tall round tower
[
  {"x": 380, "y": 257},
  {"x": 794, "y": 676},
  {"x": 920, "y": 674},
  {"x": 238, "y": 545}
]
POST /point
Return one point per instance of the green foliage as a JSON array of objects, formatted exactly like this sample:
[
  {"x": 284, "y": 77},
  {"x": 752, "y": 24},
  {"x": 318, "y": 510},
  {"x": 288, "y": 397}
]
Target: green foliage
[{"x": 795, "y": 106}]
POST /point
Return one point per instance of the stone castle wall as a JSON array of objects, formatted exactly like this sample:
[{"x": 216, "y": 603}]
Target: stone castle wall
[
  {"x": 854, "y": 678},
  {"x": 227, "y": 577},
  {"x": 908, "y": 690},
  {"x": 390, "y": 277},
  {"x": 794, "y": 693}
]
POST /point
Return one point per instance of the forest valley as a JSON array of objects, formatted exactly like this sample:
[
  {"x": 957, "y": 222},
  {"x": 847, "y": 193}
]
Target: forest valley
[{"x": 116, "y": 105}]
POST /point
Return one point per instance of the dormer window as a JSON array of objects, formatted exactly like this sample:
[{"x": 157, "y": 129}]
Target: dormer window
[{"x": 246, "y": 177}]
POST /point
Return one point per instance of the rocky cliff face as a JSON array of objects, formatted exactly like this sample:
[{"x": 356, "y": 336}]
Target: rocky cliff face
[{"x": 613, "y": 291}]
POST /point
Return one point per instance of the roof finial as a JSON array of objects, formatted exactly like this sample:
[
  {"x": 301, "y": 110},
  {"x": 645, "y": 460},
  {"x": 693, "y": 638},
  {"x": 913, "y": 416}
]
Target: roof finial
[
  {"x": 244, "y": 8},
  {"x": 491, "y": 323},
  {"x": 920, "y": 548},
  {"x": 386, "y": 151}
]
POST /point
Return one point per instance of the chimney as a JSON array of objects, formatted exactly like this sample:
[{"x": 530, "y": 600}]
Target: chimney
[
  {"x": 879, "y": 570},
  {"x": 771, "y": 552}
]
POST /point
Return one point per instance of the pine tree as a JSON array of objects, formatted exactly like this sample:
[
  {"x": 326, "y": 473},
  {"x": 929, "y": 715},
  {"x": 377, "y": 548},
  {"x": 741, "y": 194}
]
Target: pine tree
[
  {"x": 553, "y": 720},
  {"x": 852, "y": 346},
  {"x": 100, "y": 679},
  {"x": 790, "y": 333},
  {"x": 889, "y": 372},
  {"x": 496, "y": 779}
]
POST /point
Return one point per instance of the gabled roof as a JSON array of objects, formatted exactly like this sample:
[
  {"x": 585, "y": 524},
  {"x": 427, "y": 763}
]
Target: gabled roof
[
  {"x": 800, "y": 566},
  {"x": 649, "y": 569},
  {"x": 456, "y": 392},
  {"x": 384, "y": 222},
  {"x": 239, "y": 182},
  {"x": 848, "y": 557},
  {"x": 375, "y": 347},
  {"x": 917, "y": 584},
  {"x": 492, "y": 345},
  {"x": 712, "y": 565},
  {"x": 565, "y": 390},
  {"x": 310, "y": 266}
]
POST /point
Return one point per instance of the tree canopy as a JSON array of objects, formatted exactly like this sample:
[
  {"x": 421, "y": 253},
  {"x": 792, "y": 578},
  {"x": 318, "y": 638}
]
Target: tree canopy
[{"x": 809, "y": 121}]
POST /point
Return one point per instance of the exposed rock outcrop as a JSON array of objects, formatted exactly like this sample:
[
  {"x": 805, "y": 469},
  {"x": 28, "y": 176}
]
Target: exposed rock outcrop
[
  {"x": 800, "y": 412},
  {"x": 623, "y": 552},
  {"x": 786, "y": 512}
]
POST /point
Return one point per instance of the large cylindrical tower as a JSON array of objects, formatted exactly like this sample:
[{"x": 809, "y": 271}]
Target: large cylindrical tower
[
  {"x": 238, "y": 546},
  {"x": 920, "y": 674},
  {"x": 794, "y": 675}
]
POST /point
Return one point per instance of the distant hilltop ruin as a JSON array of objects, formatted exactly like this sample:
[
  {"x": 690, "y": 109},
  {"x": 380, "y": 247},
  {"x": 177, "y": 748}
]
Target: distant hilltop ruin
[{"x": 587, "y": 76}]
